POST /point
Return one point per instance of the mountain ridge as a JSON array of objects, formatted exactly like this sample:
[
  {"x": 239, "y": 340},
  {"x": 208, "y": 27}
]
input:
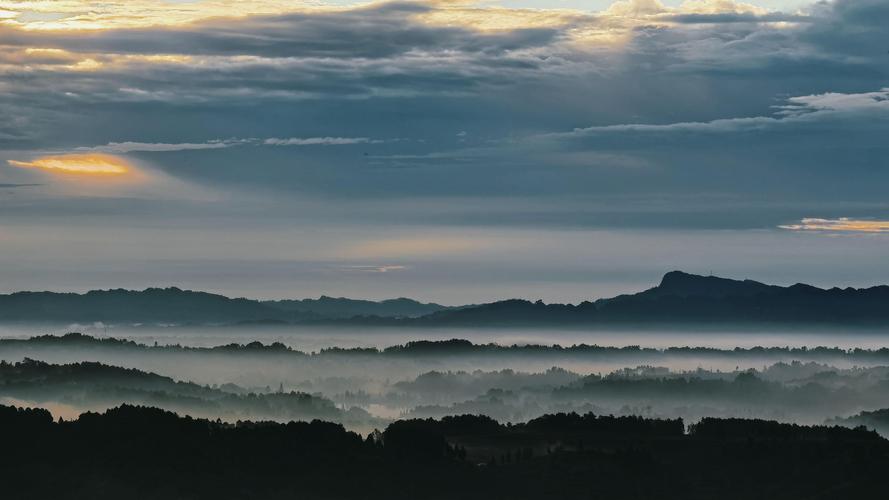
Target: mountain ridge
[
  {"x": 678, "y": 298},
  {"x": 344, "y": 307},
  {"x": 688, "y": 298}
]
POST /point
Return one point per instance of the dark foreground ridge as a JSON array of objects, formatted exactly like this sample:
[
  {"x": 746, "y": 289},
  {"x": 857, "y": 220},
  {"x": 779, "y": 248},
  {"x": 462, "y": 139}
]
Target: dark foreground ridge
[
  {"x": 138, "y": 452},
  {"x": 679, "y": 299}
]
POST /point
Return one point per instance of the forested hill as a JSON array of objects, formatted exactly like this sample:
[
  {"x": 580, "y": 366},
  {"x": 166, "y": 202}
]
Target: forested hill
[{"x": 160, "y": 455}]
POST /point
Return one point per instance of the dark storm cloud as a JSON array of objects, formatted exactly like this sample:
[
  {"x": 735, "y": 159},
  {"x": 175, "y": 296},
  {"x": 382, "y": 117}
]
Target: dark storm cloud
[
  {"x": 828, "y": 46},
  {"x": 853, "y": 28},
  {"x": 378, "y": 51}
]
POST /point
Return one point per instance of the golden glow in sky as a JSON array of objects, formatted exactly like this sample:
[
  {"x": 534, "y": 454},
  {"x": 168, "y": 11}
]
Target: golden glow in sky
[
  {"x": 609, "y": 28},
  {"x": 843, "y": 224},
  {"x": 78, "y": 164},
  {"x": 84, "y": 15}
]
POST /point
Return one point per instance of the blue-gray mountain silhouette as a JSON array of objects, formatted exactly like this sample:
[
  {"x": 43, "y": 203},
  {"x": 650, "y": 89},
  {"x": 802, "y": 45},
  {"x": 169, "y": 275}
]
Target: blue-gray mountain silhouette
[
  {"x": 344, "y": 308},
  {"x": 152, "y": 305},
  {"x": 173, "y": 305},
  {"x": 680, "y": 298},
  {"x": 688, "y": 298}
]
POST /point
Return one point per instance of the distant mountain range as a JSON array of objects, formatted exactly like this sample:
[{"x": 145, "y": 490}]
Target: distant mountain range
[
  {"x": 680, "y": 298},
  {"x": 343, "y": 308},
  {"x": 683, "y": 298},
  {"x": 176, "y": 306}
]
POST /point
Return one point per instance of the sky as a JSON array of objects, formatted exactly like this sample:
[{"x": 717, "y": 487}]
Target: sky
[{"x": 451, "y": 151}]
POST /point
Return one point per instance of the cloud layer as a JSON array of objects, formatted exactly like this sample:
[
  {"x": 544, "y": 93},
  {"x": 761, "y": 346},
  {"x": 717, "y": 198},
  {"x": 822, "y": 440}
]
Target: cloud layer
[
  {"x": 79, "y": 164},
  {"x": 709, "y": 115}
]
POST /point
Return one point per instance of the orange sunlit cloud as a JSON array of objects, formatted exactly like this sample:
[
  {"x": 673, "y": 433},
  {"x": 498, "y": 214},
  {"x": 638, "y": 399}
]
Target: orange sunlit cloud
[
  {"x": 78, "y": 164},
  {"x": 609, "y": 26},
  {"x": 414, "y": 246},
  {"x": 843, "y": 224}
]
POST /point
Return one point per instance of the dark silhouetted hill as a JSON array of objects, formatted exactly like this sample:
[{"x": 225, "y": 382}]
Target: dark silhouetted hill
[
  {"x": 176, "y": 306},
  {"x": 152, "y": 305},
  {"x": 96, "y": 385},
  {"x": 683, "y": 298},
  {"x": 139, "y": 452},
  {"x": 343, "y": 308},
  {"x": 679, "y": 299}
]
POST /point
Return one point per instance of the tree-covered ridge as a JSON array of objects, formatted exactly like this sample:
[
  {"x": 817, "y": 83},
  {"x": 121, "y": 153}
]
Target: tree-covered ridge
[
  {"x": 97, "y": 385},
  {"x": 454, "y": 347},
  {"x": 133, "y": 450},
  {"x": 794, "y": 392},
  {"x": 790, "y": 392},
  {"x": 877, "y": 420}
]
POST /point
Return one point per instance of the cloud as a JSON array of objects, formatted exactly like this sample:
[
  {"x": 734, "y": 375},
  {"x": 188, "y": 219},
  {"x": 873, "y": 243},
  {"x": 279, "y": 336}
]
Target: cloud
[
  {"x": 133, "y": 146},
  {"x": 384, "y": 50},
  {"x": 716, "y": 11},
  {"x": 705, "y": 115},
  {"x": 78, "y": 164},
  {"x": 379, "y": 50},
  {"x": 370, "y": 31},
  {"x": 796, "y": 109},
  {"x": 129, "y": 146},
  {"x": 697, "y": 111},
  {"x": 319, "y": 141},
  {"x": 374, "y": 269},
  {"x": 74, "y": 15},
  {"x": 841, "y": 225},
  {"x": 837, "y": 101},
  {"x": 738, "y": 17}
]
